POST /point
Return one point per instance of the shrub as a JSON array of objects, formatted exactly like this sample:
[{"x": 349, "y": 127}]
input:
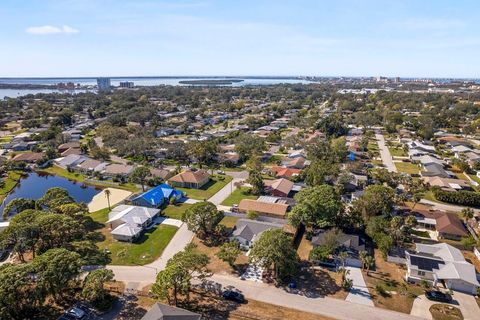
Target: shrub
[{"x": 466, "y": 198}]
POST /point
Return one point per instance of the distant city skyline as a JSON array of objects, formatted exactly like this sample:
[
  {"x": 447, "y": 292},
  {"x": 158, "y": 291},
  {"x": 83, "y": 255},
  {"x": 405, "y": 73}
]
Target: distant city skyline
[{"x": 93, "y": 38}]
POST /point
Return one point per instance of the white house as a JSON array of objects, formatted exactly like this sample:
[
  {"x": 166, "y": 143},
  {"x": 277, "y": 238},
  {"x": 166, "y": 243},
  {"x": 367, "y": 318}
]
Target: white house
[{"x": 441, "y": 263}]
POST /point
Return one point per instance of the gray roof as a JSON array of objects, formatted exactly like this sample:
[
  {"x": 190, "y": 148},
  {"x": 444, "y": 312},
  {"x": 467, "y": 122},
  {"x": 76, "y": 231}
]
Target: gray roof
[
  {"x": 165, "y": 312},
  {"x": 248, "y": 229}
]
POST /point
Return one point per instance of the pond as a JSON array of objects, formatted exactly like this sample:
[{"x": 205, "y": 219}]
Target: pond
[{"x": 35, "y": 185}]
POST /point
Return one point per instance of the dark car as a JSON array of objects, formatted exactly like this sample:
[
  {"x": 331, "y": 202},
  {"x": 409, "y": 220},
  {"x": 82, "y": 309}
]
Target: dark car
[
  {"x": 438, "y": 296},
  {"x": 234, "y": 296}
]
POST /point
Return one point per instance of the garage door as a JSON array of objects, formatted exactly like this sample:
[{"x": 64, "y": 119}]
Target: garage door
[{"x": 461, "y": 286}]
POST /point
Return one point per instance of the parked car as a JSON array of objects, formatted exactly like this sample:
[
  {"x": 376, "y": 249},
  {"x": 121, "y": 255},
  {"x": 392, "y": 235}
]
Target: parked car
[
  {"x": 438, "y": 296},
  {"x": 233, "y": 296}
]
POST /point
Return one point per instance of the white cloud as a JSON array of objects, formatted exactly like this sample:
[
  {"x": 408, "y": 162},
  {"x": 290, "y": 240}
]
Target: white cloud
[{"x": 45, "y": 30}]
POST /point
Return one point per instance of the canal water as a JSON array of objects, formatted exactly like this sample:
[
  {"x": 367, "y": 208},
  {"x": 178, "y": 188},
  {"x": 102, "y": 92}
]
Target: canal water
[{"x": 35, "y": 185}]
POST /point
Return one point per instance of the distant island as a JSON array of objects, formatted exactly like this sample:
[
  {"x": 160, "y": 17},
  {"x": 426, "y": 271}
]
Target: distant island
[{"x": 210, "y": 81}]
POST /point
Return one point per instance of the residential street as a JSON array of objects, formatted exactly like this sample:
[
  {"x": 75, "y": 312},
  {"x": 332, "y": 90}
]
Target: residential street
[
  {"x": 330, "y": 307},
  {"x": 385, "y": 153},
  {"x": 223, "y": 194},
  {"x": 445, "y": 207}
]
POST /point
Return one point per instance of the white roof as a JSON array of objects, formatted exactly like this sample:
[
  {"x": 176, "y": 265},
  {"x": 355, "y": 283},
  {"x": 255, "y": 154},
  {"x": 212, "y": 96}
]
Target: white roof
[{"x": 126, "y": 230}]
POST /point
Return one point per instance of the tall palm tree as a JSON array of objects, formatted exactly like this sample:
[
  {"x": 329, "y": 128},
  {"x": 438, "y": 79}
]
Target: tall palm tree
[
  {"x": 107, "y": 195},
  {"x": 343, "y": 257}
]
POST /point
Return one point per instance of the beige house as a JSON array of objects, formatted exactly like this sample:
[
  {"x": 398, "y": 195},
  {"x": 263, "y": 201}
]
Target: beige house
[{"x": 193, "y": 179}]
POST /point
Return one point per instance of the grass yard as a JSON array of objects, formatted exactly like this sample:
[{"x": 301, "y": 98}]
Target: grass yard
[
  {"x": 237, "y": 195},
  {"x": 175, "y": 211},
  {"x": 75, "y": 176},
  {"x": 145, "y": 250},
  {"x": 100, "y": 216},
  {"x": 407, "y": 167},
  {"x": 10, "y": 181},
  {"x": 420, "y": 233},
  {"x": 397, "y": 294},
  {"x": 397, "y": 151},
  {"x": 459, "y": 173},
  {"x": 208, "y": 190},
  {"x": 445, "y": 312},
  {"x": 229, "y": 221}
]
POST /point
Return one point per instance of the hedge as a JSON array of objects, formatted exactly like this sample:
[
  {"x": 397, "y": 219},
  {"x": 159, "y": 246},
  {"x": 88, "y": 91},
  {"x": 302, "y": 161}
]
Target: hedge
[{"x": 465, "y": 198}]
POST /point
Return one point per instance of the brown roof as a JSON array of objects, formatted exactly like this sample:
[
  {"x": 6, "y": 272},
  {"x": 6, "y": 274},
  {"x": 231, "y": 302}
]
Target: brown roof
[
  {"x": 297, "y": 162},
  {"x": 70, "y": 151},
  {"x": 278, "y": 209},
  {"x": 160, "y": 173},
  {"x": 450, "y": 223},
  {"x": 29, "y": 156},
  {"x": 116, "y": 168},
  {"x": 190, "y": 176},
  {"x": 68, "y": 145},
  {"x": 282, "y": 185},
  {"x": 285, "y": 172}
]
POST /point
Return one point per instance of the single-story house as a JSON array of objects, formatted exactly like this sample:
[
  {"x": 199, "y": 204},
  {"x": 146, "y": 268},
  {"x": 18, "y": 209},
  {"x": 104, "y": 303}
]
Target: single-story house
[
  {"x": 157, "y": 196},
  {"x": 91, "y": 165},
  {"x": 447, "y": 184},
  {"x": 279, "y": 187},
  {"x": 449, "y": 226},
  {"x": 350, "y": 243},
  {"x": 29, "y": 157},
  {"x": 295, "y": 163},
  {"x": 69, "y": 145},
  {"x": 163, "y": 174},
  {"x": 69, "y": 161},
  {"x": 194, "y": 179},
  {"x": 118, "y": 169},
  {"x": 283, "y": 172},
  {"x": 278, "y": 210},
  {"x": 127, "y": 222},
  {"x": 161, "y": 311},
  {"x": 435, "y": 170},
  {"x": 246, "y": 231},
  {"x": 441, "y": 263}
]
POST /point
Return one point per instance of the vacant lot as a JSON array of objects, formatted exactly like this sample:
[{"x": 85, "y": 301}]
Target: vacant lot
[
  {"x": 407, "y": 167},
  {"x": 208, "y": 190},
  {"x": 388, "y": 288},
  {"x": 237, "y": 195}
]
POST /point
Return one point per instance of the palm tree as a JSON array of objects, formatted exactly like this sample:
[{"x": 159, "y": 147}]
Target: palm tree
[
  {"x": 363, "y": 254},
  {"x": 107, "y": 195},
  {"x": 368, "y": 263},
  {"x": 343, "y": 257},
  {"x": 467, "y": 214}
]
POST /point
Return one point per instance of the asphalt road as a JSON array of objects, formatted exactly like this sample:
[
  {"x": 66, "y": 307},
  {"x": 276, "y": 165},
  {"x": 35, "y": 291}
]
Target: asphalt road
[{"x": 385, "y": 153}]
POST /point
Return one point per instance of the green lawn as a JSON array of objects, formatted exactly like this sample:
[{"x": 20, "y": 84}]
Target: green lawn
[
  {"x": 100, "y": 216},
  {"x": 397, "y": 151},
  {"x": 237, "y": 195},
  {"x": 209, "y": 189},
  {"x": 407, "y": 167},
  {"x": 229, "y": 221},
  {"x": 145, "y": 250},
  {"x": 421, "y": 233},
  {"x": 175, "y": 211},
  {"x": 75, "y": 176},
  {"x": 9, "y": 182}
]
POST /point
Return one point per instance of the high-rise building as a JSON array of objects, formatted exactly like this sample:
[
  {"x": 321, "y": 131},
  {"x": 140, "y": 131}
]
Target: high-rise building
[
  {"x": 126, "y": 84},
  {"x": 103, "y": 84}
]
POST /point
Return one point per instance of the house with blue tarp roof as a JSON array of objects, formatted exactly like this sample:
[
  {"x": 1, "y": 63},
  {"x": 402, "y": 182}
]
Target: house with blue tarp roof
[{"x": 157, "y": 196}]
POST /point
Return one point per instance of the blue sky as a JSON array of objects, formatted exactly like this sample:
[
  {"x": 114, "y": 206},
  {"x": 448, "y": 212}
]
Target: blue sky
[{"x": 422, "y": 38}]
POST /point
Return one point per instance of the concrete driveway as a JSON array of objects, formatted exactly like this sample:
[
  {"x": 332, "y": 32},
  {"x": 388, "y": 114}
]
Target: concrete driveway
[
  {"x": 466, "y": 303},
  {"x": 359, "y": 292}
]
